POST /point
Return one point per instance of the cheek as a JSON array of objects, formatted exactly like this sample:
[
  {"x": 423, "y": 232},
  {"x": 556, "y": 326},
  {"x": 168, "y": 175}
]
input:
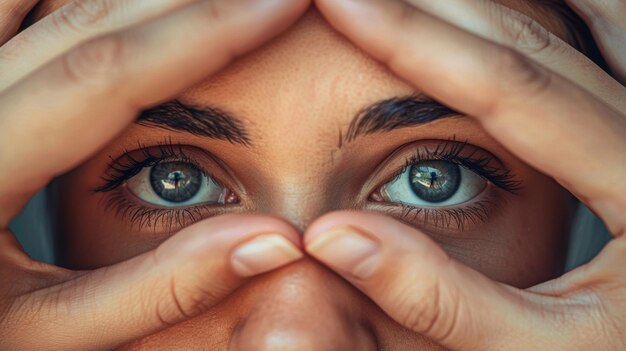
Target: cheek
[
  {"x": 526, "y": 242},
  {"x": 88, "y": 232},
  {"x": 301, "y": 307},
  {"x": 521, "y": 245}
]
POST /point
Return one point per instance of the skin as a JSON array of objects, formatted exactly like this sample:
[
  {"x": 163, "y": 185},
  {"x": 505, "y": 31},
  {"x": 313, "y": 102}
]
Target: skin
[
  {"x": 167, "y": 285},
  {"x": 439, "y": 297},
  {"x": 271, "y": 312},
  {"x": 287, "y": 182}
]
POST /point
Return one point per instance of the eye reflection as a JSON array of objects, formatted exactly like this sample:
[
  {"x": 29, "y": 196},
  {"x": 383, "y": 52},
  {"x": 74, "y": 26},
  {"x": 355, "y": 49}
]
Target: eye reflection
[
  {"x": 175, "y": 181},
  {"x": 177, "y": 184},
  {"x": 433, "y": 176},
  {"x": 433, "y": 183}
]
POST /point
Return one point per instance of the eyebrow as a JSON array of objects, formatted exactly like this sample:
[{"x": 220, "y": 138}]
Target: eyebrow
[
  {"x": 215, "y": 123},
  {"x": 206, "y": 121},
  {"x": 397, "y": 113}
]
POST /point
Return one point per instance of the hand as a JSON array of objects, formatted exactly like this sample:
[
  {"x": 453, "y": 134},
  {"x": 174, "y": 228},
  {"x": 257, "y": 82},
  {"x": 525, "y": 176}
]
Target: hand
[
  {"x": 606, "y": 20},
  {"x": 548, "y": 105},
  {"x": 68, "y": 85}
]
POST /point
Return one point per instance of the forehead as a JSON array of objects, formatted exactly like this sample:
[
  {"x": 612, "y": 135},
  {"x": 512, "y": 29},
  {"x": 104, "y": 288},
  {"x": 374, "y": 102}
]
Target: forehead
[
  {"x": 312, "y": 48},
  {"x": 310, "y": 75}
]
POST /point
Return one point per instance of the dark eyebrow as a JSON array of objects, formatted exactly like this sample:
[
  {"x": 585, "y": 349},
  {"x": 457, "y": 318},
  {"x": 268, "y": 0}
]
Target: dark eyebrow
[
  {"x": 203, "y": 121},
  {"x": 397, "y": 113}
]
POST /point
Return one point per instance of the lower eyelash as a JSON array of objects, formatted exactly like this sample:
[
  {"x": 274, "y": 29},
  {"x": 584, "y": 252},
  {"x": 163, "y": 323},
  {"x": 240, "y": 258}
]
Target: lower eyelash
[
  {"x": 119, "y": 201},
  {"x": 446, "y": 218},
  {"x": 461, "y": 216},
  {"x": 169, "y": 219},
  {"x": 454, "y": 218}
]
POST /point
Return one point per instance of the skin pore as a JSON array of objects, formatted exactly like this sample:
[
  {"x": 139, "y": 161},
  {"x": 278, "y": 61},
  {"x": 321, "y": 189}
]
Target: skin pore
[{"x": 296, "y": 99}]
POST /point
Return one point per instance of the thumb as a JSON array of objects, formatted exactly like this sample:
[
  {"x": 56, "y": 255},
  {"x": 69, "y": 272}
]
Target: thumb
[
  {"x": 413, "y": 280},
  {"x": 180, "y": 279}
]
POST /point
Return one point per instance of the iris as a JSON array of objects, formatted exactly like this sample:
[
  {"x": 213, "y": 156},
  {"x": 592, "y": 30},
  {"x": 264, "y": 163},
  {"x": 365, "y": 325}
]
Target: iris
[
  {"x": 435, "y": 181},
  {"x": 175, "y": 182}
]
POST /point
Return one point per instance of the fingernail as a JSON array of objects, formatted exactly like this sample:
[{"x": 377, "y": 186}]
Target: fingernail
[
  {"x": 262, "y": 254},
  {"x": 347, "y": 249}
]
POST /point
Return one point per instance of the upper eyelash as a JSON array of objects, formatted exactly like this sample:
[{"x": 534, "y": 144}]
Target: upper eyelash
[
  {"x": 452, "y": 151},
  {"x": 126, "y": 166},
  {"x": 457, "y": 217}
]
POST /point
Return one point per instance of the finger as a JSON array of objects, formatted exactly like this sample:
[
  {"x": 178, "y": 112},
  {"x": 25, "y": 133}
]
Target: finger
[
  {"x": 12, "y": 13},
  {"x": 606, "y": 20},
  {"x": 88, "y": 95},
  {"x": 538, "y": 115},
  {"x": 71, "y": 24},
  {"x": 182, "y": 278},
  {"x": 513, "y": 29},
  {"x": 419, "y": 286}
]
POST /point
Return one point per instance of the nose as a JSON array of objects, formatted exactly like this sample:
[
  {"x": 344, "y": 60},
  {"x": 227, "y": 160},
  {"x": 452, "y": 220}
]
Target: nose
[{"x": 305, "y": 307}]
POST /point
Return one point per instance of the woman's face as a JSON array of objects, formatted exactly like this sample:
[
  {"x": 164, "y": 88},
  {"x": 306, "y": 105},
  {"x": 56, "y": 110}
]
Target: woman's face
[{"x": 304, "y": 126}]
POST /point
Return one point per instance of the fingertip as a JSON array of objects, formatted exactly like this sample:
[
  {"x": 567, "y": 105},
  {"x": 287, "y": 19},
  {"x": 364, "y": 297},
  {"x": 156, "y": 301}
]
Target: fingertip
[
  {"x": 345, "y": 14},
  {"x": 263, "y": 253},
  {"x": 371, "y": 222},
  {"x": 348, "y": 250},
  {"x": 345, "y": 238},
  {"x": 220, "y": 235},
  {"x": 283, "y": 13},
  {"x": 349, "y": 242}
]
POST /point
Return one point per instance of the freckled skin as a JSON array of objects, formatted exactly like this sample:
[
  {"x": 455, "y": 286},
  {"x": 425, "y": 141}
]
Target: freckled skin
[{"x": 297, "y": 96}]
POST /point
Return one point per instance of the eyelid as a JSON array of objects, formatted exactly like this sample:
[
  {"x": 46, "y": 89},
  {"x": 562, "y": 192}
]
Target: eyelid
[
  {"x": 456, "y": 218},
  {"x": 444, "y": 221},
  {"x": 403, "y": 156},
  {"x": 130, "y": 163},
  {"x": 139, "y": 214}
]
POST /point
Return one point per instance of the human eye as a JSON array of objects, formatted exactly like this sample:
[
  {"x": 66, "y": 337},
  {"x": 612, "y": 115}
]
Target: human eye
[
  {"x": 165, "y": 186},
  {"x": 434, "y": 183},
  {"x": 446, "y": 184},
  {"x": 176, "y": 184}
]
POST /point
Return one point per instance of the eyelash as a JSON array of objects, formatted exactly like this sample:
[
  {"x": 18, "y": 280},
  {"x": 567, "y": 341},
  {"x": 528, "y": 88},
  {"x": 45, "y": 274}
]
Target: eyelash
[
  {"x": 124, "y": 168},
  {"x": 460, "y": 153},
  {"x": 464, "y": 155},
  {"x": 127, "y": 166}
]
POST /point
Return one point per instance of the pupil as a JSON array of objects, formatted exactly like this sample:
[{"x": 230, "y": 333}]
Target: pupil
[
  {"x": 435, "y": 181},
  {"x": 175, "y": 181}
]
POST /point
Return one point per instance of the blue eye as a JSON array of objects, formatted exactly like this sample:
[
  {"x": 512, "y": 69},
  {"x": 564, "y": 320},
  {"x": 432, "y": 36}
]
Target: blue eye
[
  {"x": 433, "y": 183},
  {"x": 176, "y": 184}
]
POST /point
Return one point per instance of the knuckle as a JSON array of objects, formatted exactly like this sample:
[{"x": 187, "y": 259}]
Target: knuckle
[
  {"x": 521, "y": 76},
  {"x": 184, "y": 302},
  {"x": 11, "y": 51},
  {"x": 432, "y": 309},
  {"x": 601, "y": 11},
  {"x": 406, "y": 16},
  {"x": 80, "y": 14},
  {"x": 214, "y": 10},
  {"x": 96, "y": 62},
  {"x": 526, "y": 34},
  {"x": 420, "y": 309}
]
